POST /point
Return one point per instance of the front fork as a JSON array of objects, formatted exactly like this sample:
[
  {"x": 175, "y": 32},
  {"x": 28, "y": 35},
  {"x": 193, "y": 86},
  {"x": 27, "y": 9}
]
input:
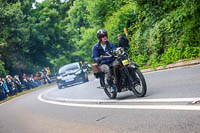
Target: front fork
[
  {"x": 131, "y": 65},
  {"x": 130, "y": 77}
]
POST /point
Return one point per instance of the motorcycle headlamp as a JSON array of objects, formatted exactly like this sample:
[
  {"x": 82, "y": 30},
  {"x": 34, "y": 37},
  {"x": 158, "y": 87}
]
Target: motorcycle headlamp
[
  {"x": 119, "y": 51},
  {"x": 59, "y": 77}
]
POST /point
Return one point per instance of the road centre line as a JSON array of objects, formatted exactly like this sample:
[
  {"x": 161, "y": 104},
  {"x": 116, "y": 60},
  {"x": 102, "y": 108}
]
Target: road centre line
[{"x": 152, "y": 107}]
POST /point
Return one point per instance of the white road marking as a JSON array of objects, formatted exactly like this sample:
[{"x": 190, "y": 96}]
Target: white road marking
[
  {"x": 93, "y": 102},
  {"x": 138, "y": 100},
  {"x": 131, "y": 100},
  {"x": 154, "y": 107}
]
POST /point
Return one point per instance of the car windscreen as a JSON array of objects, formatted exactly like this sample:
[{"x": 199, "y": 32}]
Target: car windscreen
[{"x": 68, "y": 68}]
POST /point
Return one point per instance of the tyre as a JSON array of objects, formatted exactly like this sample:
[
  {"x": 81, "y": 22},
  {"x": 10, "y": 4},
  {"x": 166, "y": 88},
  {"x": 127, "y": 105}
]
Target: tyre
[
  {"x": 111, "y": 95},
  {"x": 59, "y": 86},
  {"x": 138, "y": 83},
  {"x": 107, "y": 88},
  {"x": 86, "y": 78}
]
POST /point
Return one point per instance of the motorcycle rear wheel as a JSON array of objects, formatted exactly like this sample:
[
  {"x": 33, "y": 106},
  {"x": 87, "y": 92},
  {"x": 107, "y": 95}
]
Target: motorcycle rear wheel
[{"x": 138, "y": 86}]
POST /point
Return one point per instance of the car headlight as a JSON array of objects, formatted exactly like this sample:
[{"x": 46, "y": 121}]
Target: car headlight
[
  {"x": 59, "y": 77},
  {"x": 78, "y": 72}
]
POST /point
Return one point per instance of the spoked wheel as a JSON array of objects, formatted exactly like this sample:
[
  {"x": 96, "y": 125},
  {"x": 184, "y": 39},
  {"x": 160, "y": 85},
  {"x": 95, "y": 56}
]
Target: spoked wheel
[
  {"x": 138, "y": 83},
  {"x": 107, "y": 88}
]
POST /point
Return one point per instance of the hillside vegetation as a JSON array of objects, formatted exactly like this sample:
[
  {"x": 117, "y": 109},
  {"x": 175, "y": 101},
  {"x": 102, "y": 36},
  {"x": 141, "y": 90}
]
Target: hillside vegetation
[{"x": 54, "y": 33}]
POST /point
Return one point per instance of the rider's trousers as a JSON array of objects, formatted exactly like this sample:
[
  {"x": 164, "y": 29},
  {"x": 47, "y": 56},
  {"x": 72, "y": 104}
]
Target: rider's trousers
[{"x": 106, "y": 70}]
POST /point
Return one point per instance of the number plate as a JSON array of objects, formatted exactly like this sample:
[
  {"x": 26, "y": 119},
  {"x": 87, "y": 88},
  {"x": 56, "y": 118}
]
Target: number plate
[
  {"x": 67, "y": 80},
  {"x": 125, "y": 62}
]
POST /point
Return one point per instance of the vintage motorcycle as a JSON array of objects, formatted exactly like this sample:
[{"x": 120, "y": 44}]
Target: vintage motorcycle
[{"x": 125, "y": 74}]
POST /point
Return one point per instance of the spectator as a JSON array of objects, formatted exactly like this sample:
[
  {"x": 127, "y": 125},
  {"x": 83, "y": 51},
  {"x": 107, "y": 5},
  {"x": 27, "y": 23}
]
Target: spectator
[
  {"x": 81, "y": 64},
  {"x": 2, "y": 91},
  {"x": 40, "y": 74},
  {"x": 11, "y": 85},
  {"x": 87, "y": 66},
  {"x": 37, "y": 79},
  {"x": 18, "y": 83},
  {"x": 30, "y": 82},
  {"x": 33, "y": 81},
  {"x": 46, "y": 71},
  {"x": 123, "y": 42},
  {"x": 26, "y": 82},
  {"x": 5, "y": 87},
  {"x": 46, "y": 79}
]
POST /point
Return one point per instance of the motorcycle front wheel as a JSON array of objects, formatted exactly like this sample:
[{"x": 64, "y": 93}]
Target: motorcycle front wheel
[
  {"x": 107, "y": 88},
  {"x": 137, "y": 83}
]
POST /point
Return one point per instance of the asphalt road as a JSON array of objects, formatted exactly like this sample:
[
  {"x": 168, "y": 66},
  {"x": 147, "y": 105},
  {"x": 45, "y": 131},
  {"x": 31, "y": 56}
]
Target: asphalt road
[{"x": 83, "y": 108}]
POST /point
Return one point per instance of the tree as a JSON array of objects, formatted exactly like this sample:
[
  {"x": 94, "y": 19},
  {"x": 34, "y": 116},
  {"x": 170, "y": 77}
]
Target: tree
[
  {"x": 48, "y": 33},
  {"x": 13, "y": 34}
]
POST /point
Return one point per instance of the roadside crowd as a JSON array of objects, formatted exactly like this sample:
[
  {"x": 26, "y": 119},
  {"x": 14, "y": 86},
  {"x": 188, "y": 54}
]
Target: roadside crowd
[{"x": 11, "y": 85}]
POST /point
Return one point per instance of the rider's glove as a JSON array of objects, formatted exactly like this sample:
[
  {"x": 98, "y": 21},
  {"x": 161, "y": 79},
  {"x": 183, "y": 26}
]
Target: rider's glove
[{"x": 99, "y": 59}]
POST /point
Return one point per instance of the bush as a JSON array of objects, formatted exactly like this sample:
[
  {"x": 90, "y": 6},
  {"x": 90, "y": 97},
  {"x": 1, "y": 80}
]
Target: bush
[
  {"x": 123, "y": 18},
  {"x": 171, "y": 55},
  {"x": 191, "y": 52},
  {"x": 164, "y": 28}
]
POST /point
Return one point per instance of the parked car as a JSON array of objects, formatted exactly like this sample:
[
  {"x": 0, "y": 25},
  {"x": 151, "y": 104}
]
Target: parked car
[{"x": 70, "y": 74}]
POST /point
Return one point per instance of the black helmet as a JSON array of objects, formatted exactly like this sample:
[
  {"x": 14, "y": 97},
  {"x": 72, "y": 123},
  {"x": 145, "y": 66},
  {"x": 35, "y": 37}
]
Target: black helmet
[{"x": 101, "y": 33}]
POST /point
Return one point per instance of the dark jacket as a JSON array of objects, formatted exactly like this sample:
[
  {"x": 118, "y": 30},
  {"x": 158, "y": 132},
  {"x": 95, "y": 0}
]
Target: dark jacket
[
  {"x": 97, "y": 51},
  {"x": 123, "y": 42}
]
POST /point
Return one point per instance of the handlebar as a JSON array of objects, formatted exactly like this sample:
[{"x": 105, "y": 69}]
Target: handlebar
[{"x": 107, "y": 55}]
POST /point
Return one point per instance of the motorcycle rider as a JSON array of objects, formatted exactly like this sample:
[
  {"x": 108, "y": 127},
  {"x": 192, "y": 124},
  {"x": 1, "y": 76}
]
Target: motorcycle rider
[{"x": 99, "y": 50}]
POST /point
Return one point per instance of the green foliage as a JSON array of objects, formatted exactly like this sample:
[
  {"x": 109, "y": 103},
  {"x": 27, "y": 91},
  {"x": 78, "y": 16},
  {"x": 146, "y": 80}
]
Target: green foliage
[
  {"x": 163, "y": 29},
  {"x": 191, "y": 52},
  {"x": 55, "y": 33},
  {"x": 48, "y": 33},
  {"x": 99, "y": 11},
  {"x": 122, "y": 18},
  {"x": 141, "y": 60},
  {"x": 78, "y": 15},
  {"x": 58, "y": 62},
  {"x": 171, "y": 55},
  {"x": 3, "y": 71},
  {"x": 14, "y": 34},
  {"x": 153, "y": 60}
]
